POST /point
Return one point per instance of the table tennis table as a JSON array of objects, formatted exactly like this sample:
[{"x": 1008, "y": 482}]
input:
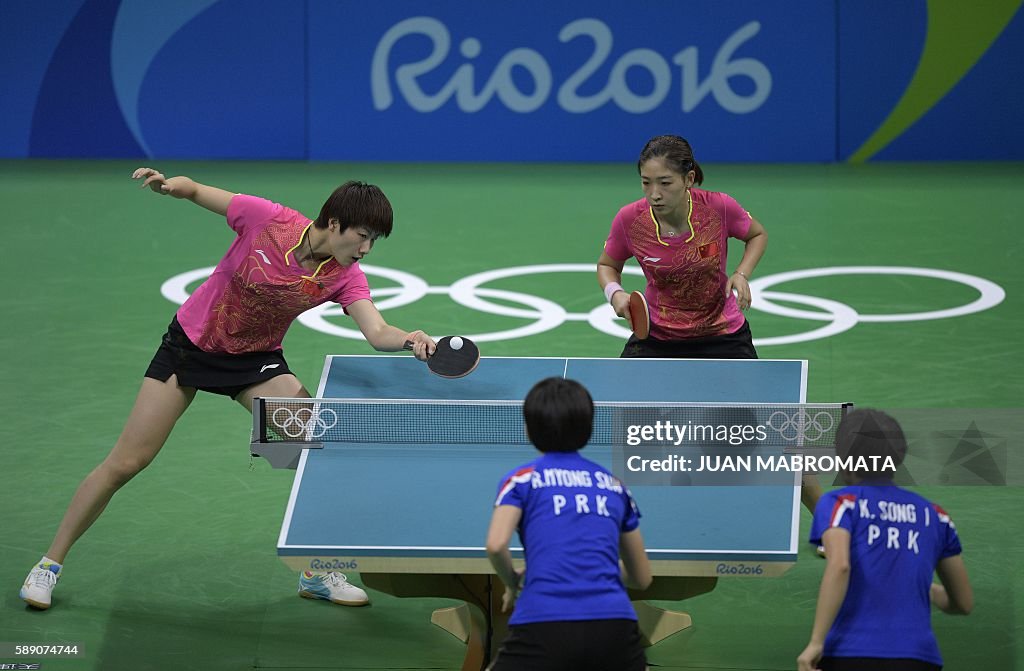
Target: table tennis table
[{"x": 412, "y": 518}]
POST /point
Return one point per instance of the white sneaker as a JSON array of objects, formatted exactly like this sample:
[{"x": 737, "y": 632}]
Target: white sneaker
[
  {"x": 333, "y": 587},
  {"x": 40, "y": 583},
  {"x": 820, "y": 551}
]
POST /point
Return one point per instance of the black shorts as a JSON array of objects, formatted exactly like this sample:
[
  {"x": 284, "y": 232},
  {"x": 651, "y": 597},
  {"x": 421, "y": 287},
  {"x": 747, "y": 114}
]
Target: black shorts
[
  {"x": 875, "y": 664},
  {"x": 737, "y": 345},
  {"x": 218, "y": 373},
  {"x": 583, "y": 645}
]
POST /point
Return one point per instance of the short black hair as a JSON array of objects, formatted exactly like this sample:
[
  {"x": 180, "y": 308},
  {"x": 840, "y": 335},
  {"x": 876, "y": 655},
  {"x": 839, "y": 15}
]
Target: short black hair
[
  {"x": 867, "y": 432},
  {"x": 559, "y": 415},
  {"x": 358, "y": 204}
]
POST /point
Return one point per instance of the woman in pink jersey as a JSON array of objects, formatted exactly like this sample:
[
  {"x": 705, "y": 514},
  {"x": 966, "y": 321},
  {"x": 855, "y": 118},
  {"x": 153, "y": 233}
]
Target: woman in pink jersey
[
  {"x": 679, "y": 234},
  {"x": 226, "y": 338}
]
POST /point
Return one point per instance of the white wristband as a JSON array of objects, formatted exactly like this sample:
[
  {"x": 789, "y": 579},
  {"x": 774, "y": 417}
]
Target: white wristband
[{"x": 610, "y": 289}]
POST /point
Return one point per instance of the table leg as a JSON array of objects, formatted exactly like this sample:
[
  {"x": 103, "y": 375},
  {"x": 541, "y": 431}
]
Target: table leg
[
  {"x": 478, "y": 622},
  {"x": 657, "y": 624}
]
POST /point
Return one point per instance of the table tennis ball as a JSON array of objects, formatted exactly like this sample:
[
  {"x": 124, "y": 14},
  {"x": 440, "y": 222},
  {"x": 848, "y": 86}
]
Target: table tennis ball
[{"x": 456, "y": 342}]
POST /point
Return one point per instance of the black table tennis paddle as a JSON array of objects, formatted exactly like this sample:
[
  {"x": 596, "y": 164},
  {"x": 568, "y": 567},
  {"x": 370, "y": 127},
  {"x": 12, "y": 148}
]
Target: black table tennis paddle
[{"x": 451, "y": 362}]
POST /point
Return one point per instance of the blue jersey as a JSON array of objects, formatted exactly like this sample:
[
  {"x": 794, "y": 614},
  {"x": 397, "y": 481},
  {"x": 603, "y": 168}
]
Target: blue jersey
[
  {"x": 896, "y": 539},
  {"x": 573, "y": 514}
]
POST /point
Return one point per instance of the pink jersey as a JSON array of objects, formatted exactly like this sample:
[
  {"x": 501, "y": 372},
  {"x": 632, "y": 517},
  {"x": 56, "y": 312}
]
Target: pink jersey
[
  {"x": 258, "y": 289},
  {"x": 685, "y": 280}
]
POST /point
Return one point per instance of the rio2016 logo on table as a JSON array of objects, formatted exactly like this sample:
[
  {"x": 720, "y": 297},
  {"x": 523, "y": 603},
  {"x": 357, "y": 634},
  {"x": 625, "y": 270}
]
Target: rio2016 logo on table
[
  {"x": 333, "y": 565},
  {"x": 547, "y": 315},
  {"x": 739, "y": 569},
  {"x": 502, "y": 84}
]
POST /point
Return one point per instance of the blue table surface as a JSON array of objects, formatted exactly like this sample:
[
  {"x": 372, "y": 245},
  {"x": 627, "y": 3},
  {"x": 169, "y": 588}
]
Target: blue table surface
[{"x": 432, "y": 500}]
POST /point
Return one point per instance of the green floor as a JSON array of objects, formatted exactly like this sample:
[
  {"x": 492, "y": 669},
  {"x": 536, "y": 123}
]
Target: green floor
[{"x": 181, "y": 573}]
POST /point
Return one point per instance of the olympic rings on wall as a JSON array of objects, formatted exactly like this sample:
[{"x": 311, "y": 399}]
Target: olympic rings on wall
[{"x": 548, "y": 315}]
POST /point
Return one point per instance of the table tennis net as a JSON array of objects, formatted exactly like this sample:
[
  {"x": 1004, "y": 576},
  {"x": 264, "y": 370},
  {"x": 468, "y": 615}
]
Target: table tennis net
[{"x": 288, "y": 420}]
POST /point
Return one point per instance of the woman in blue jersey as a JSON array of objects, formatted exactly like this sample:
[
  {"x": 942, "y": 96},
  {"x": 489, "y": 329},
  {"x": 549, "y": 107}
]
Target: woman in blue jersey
[
  {"x": 882, "y": 544},
  {"x": 575, "y": 520}
]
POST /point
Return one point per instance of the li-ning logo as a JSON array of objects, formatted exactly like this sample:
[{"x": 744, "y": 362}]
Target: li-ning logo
[
  {"x": 265, "y": 259},
  {"x": 652, "y": 259},
  {"x": 269, "y": 365},
  {"x": 304, "y": 421}
]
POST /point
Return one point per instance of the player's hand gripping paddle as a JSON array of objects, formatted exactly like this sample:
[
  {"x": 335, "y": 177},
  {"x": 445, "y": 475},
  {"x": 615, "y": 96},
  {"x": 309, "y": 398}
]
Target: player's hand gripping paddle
[
  {"x": 453, "y": 357},
  {"x": 639, "y": 315}
]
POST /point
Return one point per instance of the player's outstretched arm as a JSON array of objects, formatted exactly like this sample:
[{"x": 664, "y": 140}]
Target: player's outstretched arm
[
  {"x": 209, "y": 197},
  {"x": 386, "y": 338},
  {"x": 636, "y": 570},
  {"x": 955, "y": 595}
]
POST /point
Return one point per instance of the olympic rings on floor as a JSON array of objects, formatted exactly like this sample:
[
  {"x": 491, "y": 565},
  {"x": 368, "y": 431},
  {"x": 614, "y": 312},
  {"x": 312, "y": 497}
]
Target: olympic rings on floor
[{"x": 548, "y": 315}]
